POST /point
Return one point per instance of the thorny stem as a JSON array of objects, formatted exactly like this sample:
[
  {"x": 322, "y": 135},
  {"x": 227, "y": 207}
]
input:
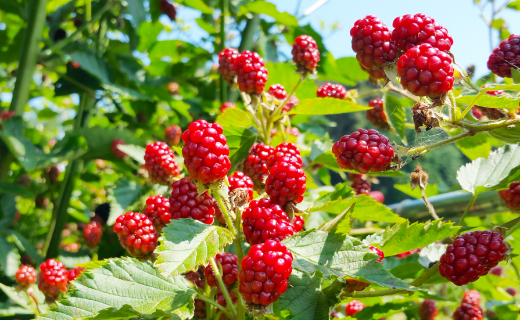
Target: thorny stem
[
  {"x": 419, "y": 151},
  {"x": 213, "y": 303},
  {"x": 229, "y": 301},
  {"x": 453, "y": 106},
  {"x": 225, "y": 212},
  {"x": 428, "y": 204},
  {"x": 470, "y": 204}
]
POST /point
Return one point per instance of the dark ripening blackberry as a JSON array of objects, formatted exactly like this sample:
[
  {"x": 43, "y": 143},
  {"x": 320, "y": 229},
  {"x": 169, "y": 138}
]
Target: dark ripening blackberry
[
  {"x": 305, "y": 54},
  {"x": 428, "y": 310},
  {"x": 412, "y": 30},
  {"x": 172, "y": 135},
  {"x": 426, "y": 71},
  {"x": 229, "y": 264},
  {"x": 185, "y": 202},
  {"x": 472, "y": 255},
  {"x": 168, "y": 9},
  {"x": 92, "y": 233},
  {"x": 511, "y": 196},
  {"x": 505, "y": 57},
  {"x": 468, "y": 312},
  {"x": 265, "y": 272},
  {"x": 371, "y": 41},
  {"x": 205, "y": 152},
  {"x": 363, "y": 151}
]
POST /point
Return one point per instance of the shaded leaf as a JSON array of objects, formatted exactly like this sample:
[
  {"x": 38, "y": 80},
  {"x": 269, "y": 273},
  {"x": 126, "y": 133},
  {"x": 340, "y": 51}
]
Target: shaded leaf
[
  {"x": 99, "y": 141},
  {"x": 9, "y": 258},
  {"x": 121, "y": 196},
  {"x": 187, "y": 244},
  {"x": 234, "y": 117},
  {"x": 15, "y": 189},
  {"x": 240, "y": 140},
  {"x": 396, "y": 115},
  {"x": 336, "y": 255}
]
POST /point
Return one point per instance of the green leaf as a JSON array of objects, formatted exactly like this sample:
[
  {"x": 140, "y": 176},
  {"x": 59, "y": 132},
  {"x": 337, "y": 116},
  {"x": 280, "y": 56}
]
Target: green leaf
[
  {"x": 503, "y": 86},
  {"x": 136, "y": 9},
  {"x": 32, "y": 157},
  {"x": 367, "y": 209},
  {"x": 508, "y": 135},
  {"x": 269, "y": 9},
  {"x": 124, "y": 193},
  {"x": 134, "y": 152},
  {"x": 317, "y": 106},
  {"x": 284, "y": 73},
  {"x": 99, "y": 141},
  {"x": 336, "y": 255},
  {"x": 487, "y": 174},
  {"x": 15, "y": 296},
  {"x": 8, "y": 209},
  {"x": 306, "y": 299},
  {"x": 349, "y": 68},
  {"x": 9, "y": 258},
  {"x": 187, "y": 244},
  {"x": 24, "y": 245},
  {"x": 240, "y": 140},
  {"x": 15, "y": 189},
  {"x": 197, "y": 5},
  {"x": 489, "y": 101},
  {"x": 209, "y": 28},
  {"x": 396, "y": 115},
  {"x": 92, "y": 64},
  {"x": 404, "y": 237},
  {"x": 234, "y": 117},
  {"x": 515, "y": 5},
  {"x": 340, "y": 223},
  {"x": 515, "y": 75},
  {"x": 124, "y": 288},
  {"x": 477, "y": 146},
  {"x": 431, "y": 190}
]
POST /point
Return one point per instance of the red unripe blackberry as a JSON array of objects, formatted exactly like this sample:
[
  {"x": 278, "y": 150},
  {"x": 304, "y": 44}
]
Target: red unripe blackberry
[
  {"x": 226, "y": 64},
  {"x": 371, "y": 42},
  {"x": 158, "y": 211},
  {"x": 377, "y": 196},
  {"x": 115, "y": 150},
  {"x": 265, "y": 272},
  {"x": 173, "y": 88},
  {"x": 360, "y": 185},
  {"x": 426, "y": 71},
  {"x": 497, "y": 271},
  {"x": 25, "y": 275},
  {"x": 413, "y": 30},
  {"x": 227, "y": 105},
  {"x": 468, "y": 312},
  {"x": 205, "y": 151},
  {"x": 251, "y": 72},
  {"x": 305, "y": 53},
  {"x": 168, "y": 9},
  {"x": 200, "y": 308},
  {"x": 75, "y": 273},
  {"x": 331, "y": 90},
  {"x": 285, "y": 150},
  {"x": 136, "y": 233},
  {"x": 277, "y": 91},
  {"x": 505, "y": 57},
  {"x": 264, "y": 220},
  {"x": 7, "y": 114},
  {"x": 428, "y": 310},
  {"x": 172, "y": 135},
  {"x": 471, "y": 297},
  {"x": 352, "y": 285},
  {"x": 379, "y": 252},
  {"x": 354, "y": 307},
  {"x": 194, "y": 276},
  {"x": 298, "y": 223},
  {"x": 255, "y": 165},
  {"x": 185, "y": 202},
  {"x": 408, "y": 253},
  {"x": 477, "y": 112},
  {"x": 286, "y": 182},
  {"x": 240, "y": 180},
  {"x": 160, "y": 163},
  {"x": 511, "y": 291},
  {"x": 53, "y": 278},
  {"x": 229, "y": 263},
  {"x": 363, "y": 151},
  {"x": 291, "y": 103},
  {"x": 377, "y": 115},
  {"x": 92, "y": 233},
  {"x": 511, "y": 196},
  {"x": 472, "y": 255}
]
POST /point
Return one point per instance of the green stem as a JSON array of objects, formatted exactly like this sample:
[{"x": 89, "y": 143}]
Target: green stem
[
  {"x": 223, "y": 10},
  {"x": 471, "y": 104},
  {"x": 513, "y": 229},
  {"x": 278, "y": 110},
  {"x": 453, "y": 106},
  {"x": 281, "y": 131},
  {"x": 468, "y": 81},
  {"x": 225, "y": 212},
  {"x": 240, "y": 256},
  {"x": 58, "y": 46},
  {"x": 369, "y": 93},
  {"x": 223, "y": 288},
  {"x": 402, "y": 92},
  {"x": 425, "y": 149},
  {"x": 470, "y": 204},
  {"x": 215, "y": 304},
  {"x": 489, "y": 125}
]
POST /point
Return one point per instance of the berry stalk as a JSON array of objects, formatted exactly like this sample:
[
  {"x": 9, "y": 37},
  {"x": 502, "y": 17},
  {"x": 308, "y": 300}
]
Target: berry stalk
[
  {"x": 276, "y": 113},
  {"x": 223, "y": 208},
  {"x": 213, "y": 303},
  {"x": 222, "y": 285},
  {"x": 453, "y": 106},
  {"x": 470, "y": 204},
  {"x": 472, "y": 103}
]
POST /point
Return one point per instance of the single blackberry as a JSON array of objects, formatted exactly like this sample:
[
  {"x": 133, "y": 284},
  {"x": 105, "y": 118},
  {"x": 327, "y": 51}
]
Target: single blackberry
[
  {"x": 136, "y": 234},
  {"x": 185, "y": 202},
  {"x": 377, "y": 115},
  {"x": 158, "y": 211},
  {"x": 305, "y": 54},
  {"x": 160, "y": 163},
  {"x": 505, "y": 57},
  {"x": 226, "y": 64},
  {"x": 331, "y": 90},
  {"x": 172, "y": 135},
  {"x": 412, "y": 30},
  {"x": 255, "y": 165},
  {"x": 511, "y": 196},
  {"x": 25, "y": 275},
  {"x": 229, "y": 264},
  {"x": 251, "y": 73}
]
